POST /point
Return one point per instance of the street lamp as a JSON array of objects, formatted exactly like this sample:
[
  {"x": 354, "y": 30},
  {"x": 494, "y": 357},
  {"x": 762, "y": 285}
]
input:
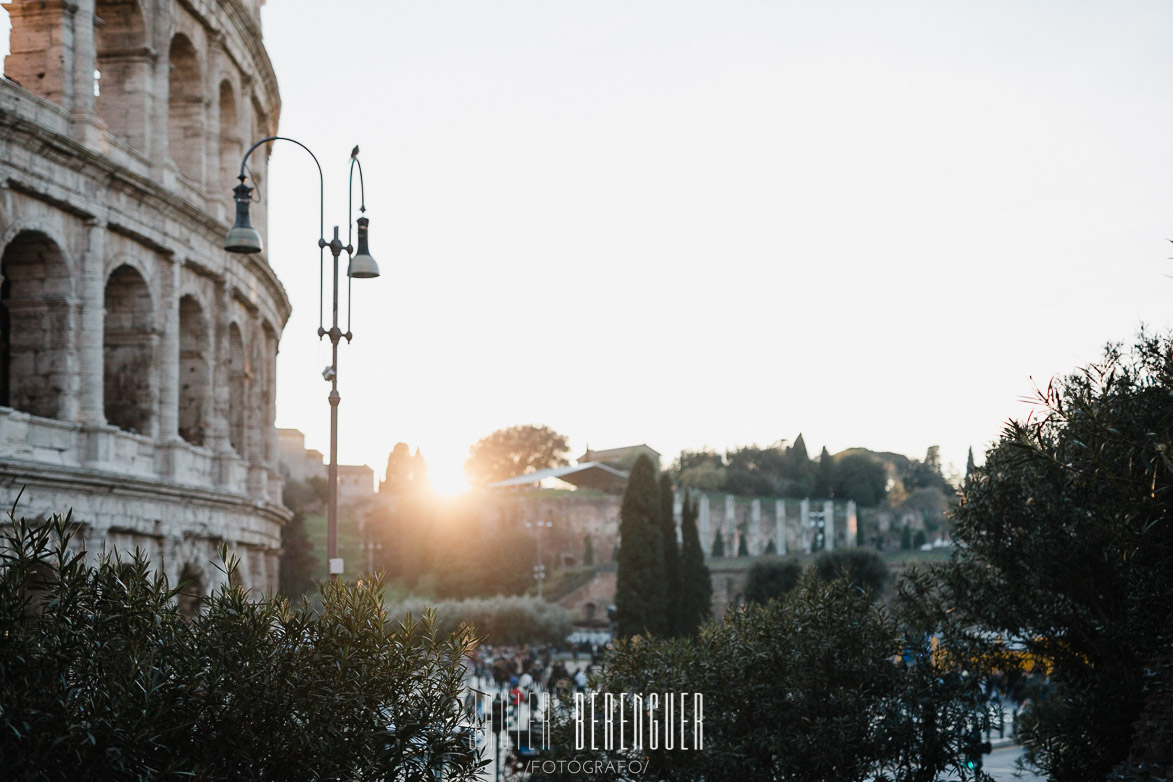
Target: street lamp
[
  {"x": 243, "y": 238},
  {"x": 540, "y": 568}
]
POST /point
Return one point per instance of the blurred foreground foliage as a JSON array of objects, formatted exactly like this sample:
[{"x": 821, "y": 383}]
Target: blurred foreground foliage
[
  {"x": 103, "y": 677},
  {"x": 825, "y": 683},
  {"x": 1067, "y": 557}
]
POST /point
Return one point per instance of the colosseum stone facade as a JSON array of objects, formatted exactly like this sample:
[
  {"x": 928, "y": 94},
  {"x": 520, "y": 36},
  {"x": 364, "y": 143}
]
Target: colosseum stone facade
[{"x": 137, "y": 358}]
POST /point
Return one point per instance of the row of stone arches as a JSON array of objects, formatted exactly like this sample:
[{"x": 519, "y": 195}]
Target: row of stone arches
[
  {"x": 124, "y": 63},
  {"x": 38, "y": 354}
]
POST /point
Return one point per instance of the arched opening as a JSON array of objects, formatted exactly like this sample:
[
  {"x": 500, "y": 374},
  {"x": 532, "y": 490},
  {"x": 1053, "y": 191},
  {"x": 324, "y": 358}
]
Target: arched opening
[
  {"x": 123, "y": 59},
  {"x": 230, "y": 149},
  {"x": 237, "y": 387},
  {"x": 191, "y": 590},
  {"x": 128, "y": 361},
  {"x": 34, "y": 333},
  {"x": 194, "y": 362},
  {"x": 185, "y": 109}
]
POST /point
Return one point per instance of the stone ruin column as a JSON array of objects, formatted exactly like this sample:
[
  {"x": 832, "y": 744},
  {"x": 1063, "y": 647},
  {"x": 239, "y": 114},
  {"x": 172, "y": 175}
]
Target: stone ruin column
[
  {"x": 780, "y": 527},
  {"x": 829, "y": 524},
  {"x": 728, "y": 527},
  {"x": 704, "y": 530},
  {"x": 677, "y": 515},
  {"x": 805, "y": 519},
  {"x": 852, "y": 525},
  {"x": 755, "y": 528}
]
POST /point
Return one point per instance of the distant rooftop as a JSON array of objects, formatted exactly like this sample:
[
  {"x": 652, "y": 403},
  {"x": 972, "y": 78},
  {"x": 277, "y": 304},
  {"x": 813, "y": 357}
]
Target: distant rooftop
[
  {"x": 588, "y": 475},
  {"x": 615, "y": 454}
]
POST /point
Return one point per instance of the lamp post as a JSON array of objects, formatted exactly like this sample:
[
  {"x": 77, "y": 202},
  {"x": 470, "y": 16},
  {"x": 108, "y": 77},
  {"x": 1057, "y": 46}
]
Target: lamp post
[
  {"x": 243, "y": 238},
  {"x": 540, "y": 568}
]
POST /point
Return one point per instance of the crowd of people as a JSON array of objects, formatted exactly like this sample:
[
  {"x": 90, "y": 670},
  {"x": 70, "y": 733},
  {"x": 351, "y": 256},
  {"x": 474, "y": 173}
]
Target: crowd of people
[{"x": 518, "y": 672}]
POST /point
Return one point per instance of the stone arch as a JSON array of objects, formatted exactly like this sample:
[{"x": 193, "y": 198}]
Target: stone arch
[
  {"x": 129, "y": 352},
  {"x": 194, "y": 371},
  {"x": 191, "y": 590},
  {"x": 123, "y": 66},
  {"x": 185, "y": 108},
  {"x": 230, "y": 144},
  {"x": 237, "y": 389},
  {"x": 34, "y": 325}
]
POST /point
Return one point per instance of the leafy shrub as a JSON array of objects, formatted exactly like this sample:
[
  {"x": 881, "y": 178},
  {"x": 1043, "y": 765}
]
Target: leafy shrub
[
  {"x": 861, "y": 567},
  {"x": 768, "y": 580},
  {"x": 822, "y": 684},
  {"x": 508, "y": 621},
  {"x": 103, "y": 677}
]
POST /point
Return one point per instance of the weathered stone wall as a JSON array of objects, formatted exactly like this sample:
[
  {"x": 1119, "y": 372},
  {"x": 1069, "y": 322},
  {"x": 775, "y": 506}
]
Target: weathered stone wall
[{"x": 137, "y": 358}]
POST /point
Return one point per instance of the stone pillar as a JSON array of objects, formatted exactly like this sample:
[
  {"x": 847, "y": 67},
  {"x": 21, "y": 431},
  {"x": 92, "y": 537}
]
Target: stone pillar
[
  {"x": 678, "y": 516},
  {"x": 852, "y": 525},
  {"x": 829, "y": 524},
  {"x": 729, "y": 527},
  {"x": 41, "y": 55},
  {"x": 805, "y": 520},
  {"x": 158, "y": 87},
  {"x": 91, "y": 408},
  {"x": 168, "y": 356},
  {"x": 218, "y": 369},
  {"x": 780, "y": 527},
  {"x": 85, "y": 58},
  {"x": 755, "y": 528},
  {"x": 704, "y": 529}
]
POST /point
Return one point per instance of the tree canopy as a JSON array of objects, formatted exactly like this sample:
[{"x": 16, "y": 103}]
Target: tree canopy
[
  {"x": 515, "y": 451},
  {"x": 1068, "y": 552}
]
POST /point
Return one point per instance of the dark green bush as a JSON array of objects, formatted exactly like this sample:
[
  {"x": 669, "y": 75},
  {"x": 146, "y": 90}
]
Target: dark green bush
[
  {"x": 861, "y": 567},
  {"x": 823, "y": 684},
  {"x": 770, "y": 580},
  {"x": 102, "y": 677}
]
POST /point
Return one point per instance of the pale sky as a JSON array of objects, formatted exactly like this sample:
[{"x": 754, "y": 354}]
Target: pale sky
[{"x": 719, "y": 223}]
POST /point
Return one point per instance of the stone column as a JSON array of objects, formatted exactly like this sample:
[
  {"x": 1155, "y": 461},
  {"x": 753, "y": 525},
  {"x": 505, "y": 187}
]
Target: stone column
[
  {"x": 805, "y": 520},
  {"x": 704, "y": 530},
  {"x": 91, "y": 336},
  {"x": 755, "y": 528},
  {"x": 678, "y": 516},
  {"x": 159, "y": 89},
  {"x": 780, "y": 527},
  {"x": 829, "y": 521},
  {"x": 729, "y": 527},
  {"x": 168, "y": 357},
  {"x": 85, "y": 58},
  {"x": 852, "y": 525},
  {"x": 218, "y": 366}
]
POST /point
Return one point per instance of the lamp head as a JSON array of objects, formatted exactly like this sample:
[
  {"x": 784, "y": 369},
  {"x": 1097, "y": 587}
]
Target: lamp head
[
  {"x": 362, "y": 265},
  {"x": 243, "y": 238}
]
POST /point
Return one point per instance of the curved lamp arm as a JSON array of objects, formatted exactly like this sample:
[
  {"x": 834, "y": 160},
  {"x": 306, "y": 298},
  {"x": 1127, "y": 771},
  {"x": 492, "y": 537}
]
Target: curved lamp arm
[
  {"x": 322, "y": 243},
  {"x": 354, "y": 161}
]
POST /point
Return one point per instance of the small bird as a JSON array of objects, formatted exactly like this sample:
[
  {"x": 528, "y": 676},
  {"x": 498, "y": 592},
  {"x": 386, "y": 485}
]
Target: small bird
[{"x": 354, "y": 152}]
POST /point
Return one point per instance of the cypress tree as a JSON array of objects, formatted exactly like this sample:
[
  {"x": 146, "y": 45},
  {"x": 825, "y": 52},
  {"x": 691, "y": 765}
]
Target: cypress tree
[
  {"x": 641, "y": 590},
  {"x": 695, "y": 596},
  {"x": 742, "y": 547},
  {"x": 825, "y": 475},
  {"x": 718, "y": 548},
  {"x": 671, "y": 549}
]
